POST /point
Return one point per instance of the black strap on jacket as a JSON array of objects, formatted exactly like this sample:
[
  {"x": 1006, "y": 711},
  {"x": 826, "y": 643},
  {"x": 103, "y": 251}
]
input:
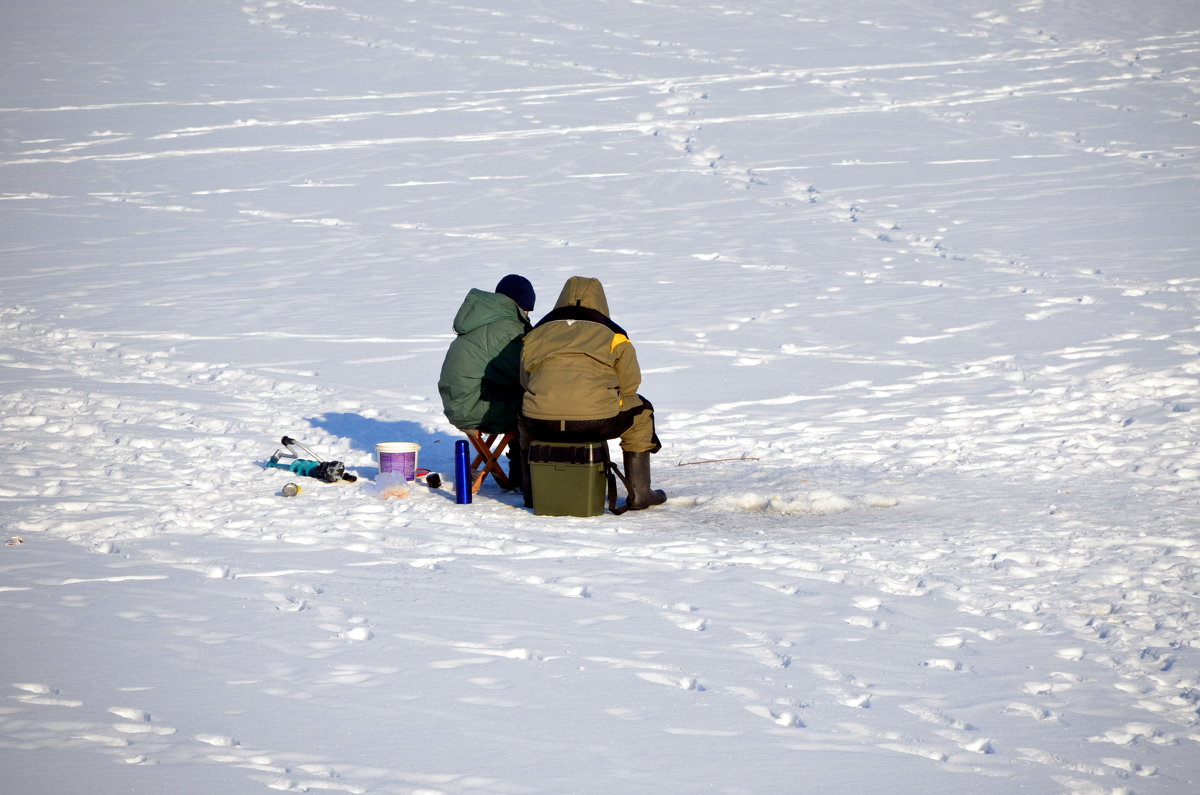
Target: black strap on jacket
[{"x": 581, "y": 313}]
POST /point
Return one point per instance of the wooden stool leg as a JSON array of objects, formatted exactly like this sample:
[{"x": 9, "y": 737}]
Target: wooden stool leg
[{"x": 487, "y": 460}]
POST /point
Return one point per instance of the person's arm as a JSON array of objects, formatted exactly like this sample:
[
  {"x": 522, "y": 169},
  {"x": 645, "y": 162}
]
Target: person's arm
[{"x": 629, "y": 374}]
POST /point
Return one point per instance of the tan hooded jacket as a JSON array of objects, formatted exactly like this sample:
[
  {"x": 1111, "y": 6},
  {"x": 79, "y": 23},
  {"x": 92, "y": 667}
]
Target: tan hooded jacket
[{"x": 577, "y": 364}]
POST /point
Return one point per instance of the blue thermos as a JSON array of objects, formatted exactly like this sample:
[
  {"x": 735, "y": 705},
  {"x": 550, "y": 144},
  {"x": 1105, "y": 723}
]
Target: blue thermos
[{"x": 462, "y": 473}]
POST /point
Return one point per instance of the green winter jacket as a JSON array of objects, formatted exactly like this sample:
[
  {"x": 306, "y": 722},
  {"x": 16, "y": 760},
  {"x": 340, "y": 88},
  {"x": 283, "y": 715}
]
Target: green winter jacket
[
  {"x": 577, "y": 364},
  {"x": 480, "y": 382}
]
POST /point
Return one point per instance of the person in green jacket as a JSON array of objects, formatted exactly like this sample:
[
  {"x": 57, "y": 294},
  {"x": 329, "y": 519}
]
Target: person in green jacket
[
  {"x": 581, "y": 379},
  {"x": 480, "y": 381}
]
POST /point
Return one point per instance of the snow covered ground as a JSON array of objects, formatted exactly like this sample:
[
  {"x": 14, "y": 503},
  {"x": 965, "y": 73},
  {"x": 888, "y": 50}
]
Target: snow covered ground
[{"x": 928, "y": 271}]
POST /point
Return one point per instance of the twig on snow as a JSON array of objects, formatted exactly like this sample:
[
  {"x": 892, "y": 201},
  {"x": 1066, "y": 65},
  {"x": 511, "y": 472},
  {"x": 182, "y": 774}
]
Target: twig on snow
[{"x": 712, "y": 461}]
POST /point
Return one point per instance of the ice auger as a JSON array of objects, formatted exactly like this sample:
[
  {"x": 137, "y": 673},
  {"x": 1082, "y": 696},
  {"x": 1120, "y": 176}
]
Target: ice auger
[{"x": 314, "y": 466}]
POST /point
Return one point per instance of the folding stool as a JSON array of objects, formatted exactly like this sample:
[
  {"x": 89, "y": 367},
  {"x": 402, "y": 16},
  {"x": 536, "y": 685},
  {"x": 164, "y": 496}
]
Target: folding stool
[{"x": 489, "y": 447}]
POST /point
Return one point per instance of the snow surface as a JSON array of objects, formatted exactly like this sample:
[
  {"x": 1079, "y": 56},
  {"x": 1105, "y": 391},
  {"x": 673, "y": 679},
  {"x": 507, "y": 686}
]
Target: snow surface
[{"x": 927, "y": 272}]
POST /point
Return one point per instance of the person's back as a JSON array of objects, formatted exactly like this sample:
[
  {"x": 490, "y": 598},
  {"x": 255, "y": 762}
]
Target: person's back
[
  {"x": 581, "y": 378},
  {"x": 480, "y": 381},
  {"x": 577, "y": 363}
]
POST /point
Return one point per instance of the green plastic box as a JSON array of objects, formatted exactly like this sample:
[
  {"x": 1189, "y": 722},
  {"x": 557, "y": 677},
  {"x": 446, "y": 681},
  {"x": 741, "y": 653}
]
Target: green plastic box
[{"x": 568, "y": 477}]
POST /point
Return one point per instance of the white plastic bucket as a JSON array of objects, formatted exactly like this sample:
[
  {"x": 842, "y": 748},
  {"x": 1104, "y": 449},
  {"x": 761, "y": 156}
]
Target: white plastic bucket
[{"x": 398, "y": 457}]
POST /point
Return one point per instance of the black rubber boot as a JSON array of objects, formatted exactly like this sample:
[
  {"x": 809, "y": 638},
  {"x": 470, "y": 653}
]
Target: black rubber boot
[
  {"x": 526, "y": 478},
  {"x": 516, "y": 467},
  {"x": 637, "y": 472}
]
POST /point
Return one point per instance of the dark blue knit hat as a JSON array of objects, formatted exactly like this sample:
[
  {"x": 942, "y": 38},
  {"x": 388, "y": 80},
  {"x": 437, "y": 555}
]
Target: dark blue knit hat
[{"x": 518, "y": 289}]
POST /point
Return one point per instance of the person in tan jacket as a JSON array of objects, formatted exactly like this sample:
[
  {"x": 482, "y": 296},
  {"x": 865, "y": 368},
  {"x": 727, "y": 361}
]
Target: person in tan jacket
[{"x": 581, "y": 377}]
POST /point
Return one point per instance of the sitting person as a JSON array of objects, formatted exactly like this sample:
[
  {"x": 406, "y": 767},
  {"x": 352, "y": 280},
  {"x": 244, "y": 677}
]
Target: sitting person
[
  {"x": 581, "y": 377},
  {"x": 480, "y": 381}
]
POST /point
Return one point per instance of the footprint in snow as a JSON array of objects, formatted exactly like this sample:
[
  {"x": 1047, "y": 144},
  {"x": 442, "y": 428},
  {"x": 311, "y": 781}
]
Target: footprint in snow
[
  {"x": 1031, "y": 711},
  {"x": 681, "y": 682},
  {"x": 786, "y": 718},
  {"x": 44, "y": 695},
  {"x": 216, "y": 740},
  {"x": 943, "y": 664}
]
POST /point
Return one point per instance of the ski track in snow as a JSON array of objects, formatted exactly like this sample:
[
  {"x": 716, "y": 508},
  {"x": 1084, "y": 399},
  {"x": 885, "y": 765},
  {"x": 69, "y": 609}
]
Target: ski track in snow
[{"x": 813, "y": 519}]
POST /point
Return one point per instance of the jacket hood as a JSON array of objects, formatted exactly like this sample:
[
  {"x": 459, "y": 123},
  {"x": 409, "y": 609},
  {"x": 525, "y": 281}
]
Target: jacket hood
[
  {"x": 585, "y": 292},
  {"x": 481, "y": 307}
]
